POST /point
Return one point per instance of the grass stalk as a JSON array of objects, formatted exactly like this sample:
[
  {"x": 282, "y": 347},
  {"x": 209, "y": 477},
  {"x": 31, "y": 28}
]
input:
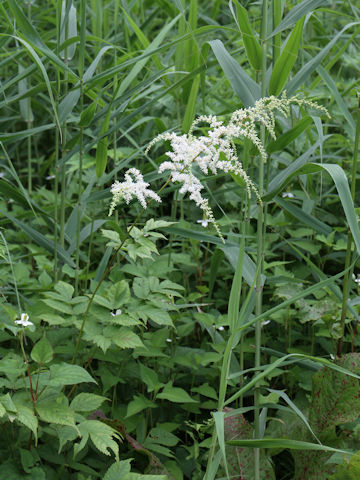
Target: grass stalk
[
  {"x": 81, "y": 140},
  {"x": 347, "y": 276},
  {"x": 260, "y": 247}
]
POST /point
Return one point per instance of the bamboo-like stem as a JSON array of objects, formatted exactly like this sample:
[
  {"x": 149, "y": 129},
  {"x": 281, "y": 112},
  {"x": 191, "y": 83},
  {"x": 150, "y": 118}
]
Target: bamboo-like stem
[
  {"x": 260, "y": 248},
  {"x": 81, "y": 140},
  {"x": 347, "y": 276}
]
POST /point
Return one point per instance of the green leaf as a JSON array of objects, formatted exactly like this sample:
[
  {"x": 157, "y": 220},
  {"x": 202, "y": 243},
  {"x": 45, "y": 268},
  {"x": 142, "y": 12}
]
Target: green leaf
[
  {"x": 138, "y": 404},
  {"x": 161, "y": 317},
  {"x": 163, "y": 437},
  {"x": 247, "y": 90},
  {"x": 87, "y": 115},
  {"x": 26, "y": 416},
  {"x": 67, "y": 374},
  {"x": 87, "y": 402},
  {"x": 335, "y": 396},
  {"x": 52, "y": 411},
  {"x": 286, "y": 60},
  {"x": 42, "y": 351},
  {"x": 118, "y": 470},
  {"x": 269, "y": 442},
  {"x": 190, "y": 106},
  {"x": 41, "y": 240},
  {"x": 286, "y": 138},
  {"x": 175, "y": 394},
  {"x": 103, "y": 437},
  {"x": 240, "y": 461},
  {"x": 252, "y": 46},
  {"x": 126, "y": 338},
  {"x": 349, "y": 470},
  {"x": 102, "y": 146},
  {"x": 296, "y": 13},
  {"x": 149, "y": 377}
]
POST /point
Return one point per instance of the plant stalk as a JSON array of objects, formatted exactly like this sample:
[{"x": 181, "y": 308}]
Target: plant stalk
[
  {"x": 260, "y": 249},
  {"x": 347, "y": 276}
]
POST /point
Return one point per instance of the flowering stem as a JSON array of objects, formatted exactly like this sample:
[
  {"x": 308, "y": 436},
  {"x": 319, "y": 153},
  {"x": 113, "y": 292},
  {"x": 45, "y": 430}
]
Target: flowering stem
[
  {"x": 347, "y": 276},
  {"x": 105, "y": 274}
]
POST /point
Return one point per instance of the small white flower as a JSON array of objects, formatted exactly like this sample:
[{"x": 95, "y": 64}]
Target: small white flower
[
  {"x": 129, "y": 188},
  {"x": 204, "y": 223},
  {"x": 287, "y": 195},
  {"x": 265, "y": 322},
  {"x": 116, "y": 312},
  {"x": 169, "y": 340},
  {"x": 356, "y": 279},
  {"x": 221, "y": 328},
  {"x": 24, "y": 320}
]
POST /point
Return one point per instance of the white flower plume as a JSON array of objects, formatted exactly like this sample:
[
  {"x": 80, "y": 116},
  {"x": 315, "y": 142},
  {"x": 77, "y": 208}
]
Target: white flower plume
[
  {"x": 217, "y": 152},
  {"x": 129, "y": 188}
]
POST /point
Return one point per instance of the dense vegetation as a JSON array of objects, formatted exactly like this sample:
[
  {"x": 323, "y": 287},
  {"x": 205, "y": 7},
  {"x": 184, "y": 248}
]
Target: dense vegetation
[{"x": 212, "y": 334}]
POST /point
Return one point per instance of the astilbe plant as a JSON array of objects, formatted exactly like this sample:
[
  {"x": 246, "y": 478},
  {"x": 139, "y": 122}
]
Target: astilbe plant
[{"x": 211, "y": 153}]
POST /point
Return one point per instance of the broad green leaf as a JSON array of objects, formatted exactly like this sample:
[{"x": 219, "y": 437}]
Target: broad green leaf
[
  {"x": 87, "y": 115},
  {"x": 163, "y": 437},
  {"x": 175, "y": 394},
  {"x": 26, "y": 416},
  {"x": 161, "y": 317},
  {"x": 118, "y": 470},
  {"x": 42, "y": 351},
  {"x": 103, "y": 437},
  {"x": 52, "y": 411},
  {"x": 240, "y": 461},
  {"x": 206, "y": 390},
  {"x": 349, "y": 470},
  {"x": 138, "y": 404},
  {"x": 149, "y": 377},
  {"x": 67, "y": 374},
  {"x": 286, "y": 60},
  {"x": 87, "y": 402},
  {"x": 245, "y": 88},
  {"x": 335, "y": 396},
  {"x": 125, "y": 338}
]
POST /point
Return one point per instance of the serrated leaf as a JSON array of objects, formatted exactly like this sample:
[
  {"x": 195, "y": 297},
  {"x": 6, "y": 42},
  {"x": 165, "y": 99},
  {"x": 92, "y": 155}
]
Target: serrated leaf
[
  {"x": 67, "y": 374},
  {"x": 87, "y": 402},
  {"x": 118, "y": 470},
  {"x": 27, "y": 417},
  {"x": 52, "y": 411},
  {"x": 161, "y": 317},
  {"x": 125, "y": 338},
  {"x": 101, "y": 435}
]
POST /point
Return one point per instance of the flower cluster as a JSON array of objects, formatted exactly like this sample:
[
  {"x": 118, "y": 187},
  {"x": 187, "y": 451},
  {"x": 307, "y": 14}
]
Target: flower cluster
[
  {"x": 211, "y": 153},
  {"x": 129, "y": 188}
]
